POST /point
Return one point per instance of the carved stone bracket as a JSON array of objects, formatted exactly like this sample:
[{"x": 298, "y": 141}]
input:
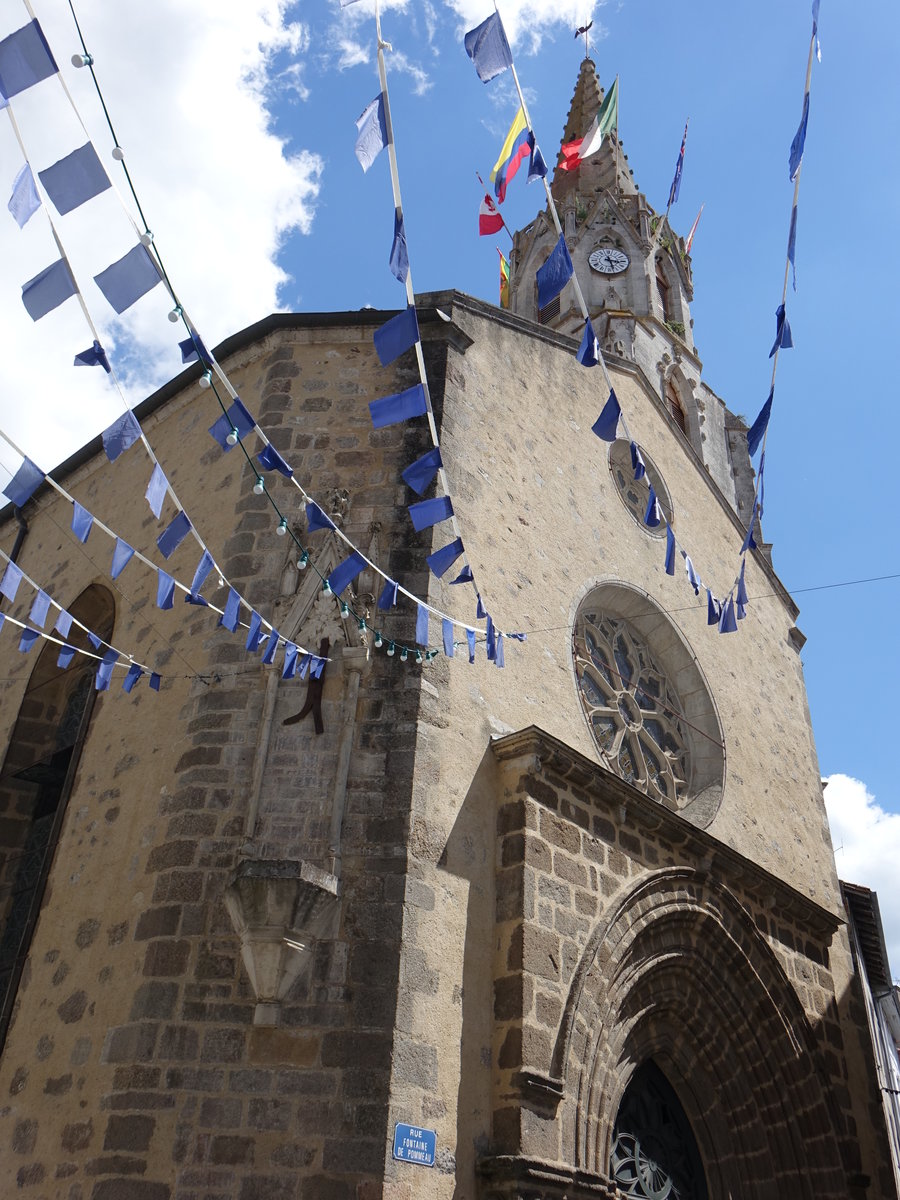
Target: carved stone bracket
[{"x": 280, "y": 910}]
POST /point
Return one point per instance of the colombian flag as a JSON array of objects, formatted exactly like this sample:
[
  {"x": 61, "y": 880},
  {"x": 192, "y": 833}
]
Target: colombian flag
[{"x": 516, "y": 147}]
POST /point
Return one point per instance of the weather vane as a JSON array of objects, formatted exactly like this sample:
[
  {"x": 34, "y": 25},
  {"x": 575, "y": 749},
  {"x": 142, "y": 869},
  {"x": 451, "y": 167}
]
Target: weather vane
[{"x": 584, "y": 30}]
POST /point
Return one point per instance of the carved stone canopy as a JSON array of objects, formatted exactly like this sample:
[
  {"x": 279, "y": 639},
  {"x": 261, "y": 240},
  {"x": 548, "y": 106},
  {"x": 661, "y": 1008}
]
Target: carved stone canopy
[{"x": 280, "y": 910}]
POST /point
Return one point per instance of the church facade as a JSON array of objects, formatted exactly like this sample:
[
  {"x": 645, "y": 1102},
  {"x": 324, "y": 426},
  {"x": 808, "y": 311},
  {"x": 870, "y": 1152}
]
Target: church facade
[{"x": 567, "y": 929}]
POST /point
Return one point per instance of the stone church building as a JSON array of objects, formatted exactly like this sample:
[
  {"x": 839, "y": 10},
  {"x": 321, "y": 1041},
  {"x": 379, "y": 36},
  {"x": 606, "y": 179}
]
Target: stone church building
[{"x": 578, "y": 917}]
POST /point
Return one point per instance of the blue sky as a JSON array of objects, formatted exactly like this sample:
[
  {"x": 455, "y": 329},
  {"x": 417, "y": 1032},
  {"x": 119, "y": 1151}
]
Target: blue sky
[{"x": 239, "y": 127}]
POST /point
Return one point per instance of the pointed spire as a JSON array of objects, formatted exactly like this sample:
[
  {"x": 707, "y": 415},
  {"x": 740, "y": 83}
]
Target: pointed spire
[{"x": 602, "y": 168}]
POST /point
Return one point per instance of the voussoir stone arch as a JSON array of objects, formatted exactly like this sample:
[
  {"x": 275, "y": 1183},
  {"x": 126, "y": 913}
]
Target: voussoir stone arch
[{"x": 678, "y": 974}]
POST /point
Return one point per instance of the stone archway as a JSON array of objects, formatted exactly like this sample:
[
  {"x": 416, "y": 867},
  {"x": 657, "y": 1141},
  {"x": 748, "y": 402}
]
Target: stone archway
[{"x": 680, "y": 975}]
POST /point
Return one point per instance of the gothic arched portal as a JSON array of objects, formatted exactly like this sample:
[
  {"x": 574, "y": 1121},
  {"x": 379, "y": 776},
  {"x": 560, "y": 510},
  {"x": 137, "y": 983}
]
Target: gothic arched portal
[{"x": 654, "y": 1154}]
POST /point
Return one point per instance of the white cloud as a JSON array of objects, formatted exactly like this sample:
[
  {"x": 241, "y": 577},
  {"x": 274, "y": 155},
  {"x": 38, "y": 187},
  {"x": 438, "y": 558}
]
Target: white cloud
[
  {"x": 188, "y": 98},
  {"x": 352, "y": 54},
  {"x": 421, "y": 81},
  {"x": 867, "y": 850}
]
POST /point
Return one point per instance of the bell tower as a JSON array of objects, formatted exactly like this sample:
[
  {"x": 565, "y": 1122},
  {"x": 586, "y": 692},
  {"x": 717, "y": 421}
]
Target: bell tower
[{"x": 635, "y": 274}]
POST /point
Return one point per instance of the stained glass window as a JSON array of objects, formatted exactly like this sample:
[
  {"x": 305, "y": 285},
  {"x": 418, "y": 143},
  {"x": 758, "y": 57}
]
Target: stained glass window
[
  {"x": 635, "y": 493},
  {"x": 633, "y": 711}
]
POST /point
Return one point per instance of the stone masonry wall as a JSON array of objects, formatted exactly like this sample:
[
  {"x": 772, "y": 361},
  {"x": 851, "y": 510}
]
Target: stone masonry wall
[{"x": 133, "y": 1067}]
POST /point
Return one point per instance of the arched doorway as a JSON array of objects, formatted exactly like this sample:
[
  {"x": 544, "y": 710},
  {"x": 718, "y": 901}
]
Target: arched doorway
[
  {"x": 35, "y": 781},
  {"x": 654, "y": 1153}
]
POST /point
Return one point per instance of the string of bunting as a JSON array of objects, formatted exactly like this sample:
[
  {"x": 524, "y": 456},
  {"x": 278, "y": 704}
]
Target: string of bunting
[
  {"x": 13, "y": 575},
  {"x": 297, "y": 660},
  {"x": 488, "y": 48},
  {"x": 375, "y": 132},
  {"x": 236, "y": 421}
]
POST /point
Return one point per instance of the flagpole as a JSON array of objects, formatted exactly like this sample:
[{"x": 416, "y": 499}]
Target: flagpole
[
  {"x": 550, "y": 201},
  {"x": 497, "y": 210},
  {"x": 410, "y": 293},
  {"x": 665, "y": 220}
]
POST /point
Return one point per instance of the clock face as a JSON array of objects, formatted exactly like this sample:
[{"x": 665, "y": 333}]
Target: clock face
[{"x": 608, "y": 261}]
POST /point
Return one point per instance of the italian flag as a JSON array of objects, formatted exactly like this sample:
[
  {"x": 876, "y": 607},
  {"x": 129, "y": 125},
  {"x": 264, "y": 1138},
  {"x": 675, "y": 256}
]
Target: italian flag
[{"x": 607, "y": 118}]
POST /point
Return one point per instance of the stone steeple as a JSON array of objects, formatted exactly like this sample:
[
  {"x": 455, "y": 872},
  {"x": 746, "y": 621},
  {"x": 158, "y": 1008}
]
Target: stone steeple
[
  {"x": 608, "y": 168},
  {"x": 636, "y": 280}
]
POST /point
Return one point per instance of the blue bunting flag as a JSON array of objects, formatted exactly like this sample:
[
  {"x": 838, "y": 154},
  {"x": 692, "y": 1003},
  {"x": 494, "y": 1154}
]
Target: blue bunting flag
[
  {"x": 372, "y": 135},
  {"x": 24, "y": 483},
  {"x": 399, "y": 407},
  {"x": 123, "y": 432},
  {"x": 430, "y": 512},
  {"x": 727, "y": 621},
  {"x": 346, "y": 572},
  {"x": 132, "y": 675},
  {"x": 421, "y": 625},
  {"x": 165, "y": 589},
  {"x": 606, "y": 424},
  {"x": 653, "y": 515},
  {"x": 447, "y": 635},
  {"x": 488, "y": 48},
  {"x": 796, "y": 155},
  {"x": 757, "y": 430},
  {"x": 783, "y": 337},
  {"x": 316, "y": 518},
  {"x": 204, "y": 566},
  {"x": 122, "y": 556},
  {"x": 232, "y": 611},
  {"x": 470, "y": 642},
  {"x": 556, "y": 272},
  {"x": 63, "y": 623},
  {"x": 94, "y": 356},
  {"x": 75, "y": 179},
  {"x": 388, "y": 597},
  {"x": 174, "y": 534},
  {"x": 441, "y": 560},
  {"x": 396, "y": 336},
  {"x": 670, "y": 550},
  {"x": 25, "y": 59},
  {"x": 254, "y": 635},
  {"x": 27, "y": 640},
  {"x": 130, "y": 277},
  {"x": 399, "y": 259},
  {"x": 48, "y": 289},
  {"x": 156, "y": 491},
  {"x": 236, "y": 418},
  {"x": 9, "y": 584},
  {"x": 82, "y": 522},
  {"x": 589, "y": 351},
  {"x": 272, "y": 461},
  {"x": 39, "y": 609},
  {"x": 418, "y": 475},
  {"x": 66, "y": 654},
  {"x": 24, "y": 201}
]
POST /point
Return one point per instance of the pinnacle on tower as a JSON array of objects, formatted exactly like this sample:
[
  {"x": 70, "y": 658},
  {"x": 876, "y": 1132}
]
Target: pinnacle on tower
[{"x": 608, "y": 167}]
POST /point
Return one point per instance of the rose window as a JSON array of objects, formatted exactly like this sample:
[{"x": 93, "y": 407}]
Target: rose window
[
  {"x": 631, "y": 707},
  {"x": 635, "y": 493}
]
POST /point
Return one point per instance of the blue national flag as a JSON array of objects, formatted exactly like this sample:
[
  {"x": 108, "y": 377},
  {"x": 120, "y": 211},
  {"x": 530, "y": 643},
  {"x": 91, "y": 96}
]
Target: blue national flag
[
  {"x": 488, "y": 48},
  {"x": 676, "y": 182}
]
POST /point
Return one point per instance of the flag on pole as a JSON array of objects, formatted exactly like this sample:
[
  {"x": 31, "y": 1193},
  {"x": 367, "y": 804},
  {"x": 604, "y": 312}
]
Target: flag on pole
[
  {"x": 518, "y": 145},
  {"x": 488, "y": 48},
  {"x": 504, "y": 280},
  {"x": 690, "y": 237},
  {"x": 489, "y": 220},
  {"x": 607, "y": 119},
  {"x": 676, "y": 182}
]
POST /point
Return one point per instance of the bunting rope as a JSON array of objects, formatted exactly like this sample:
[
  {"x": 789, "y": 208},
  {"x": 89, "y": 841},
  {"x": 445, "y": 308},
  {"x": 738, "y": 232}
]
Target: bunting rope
[
  {"x": 44, "y": 596},
  {"x": 148, "y": 243},
  {"x": 489, "y": 50}
]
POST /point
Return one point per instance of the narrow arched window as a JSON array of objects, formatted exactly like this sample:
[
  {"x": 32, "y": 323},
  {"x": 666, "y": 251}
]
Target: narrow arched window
[
  {"x": 35, "y": 781},
  {"x": 662, "y": 286},
  {"x": 676, "y": 408}
]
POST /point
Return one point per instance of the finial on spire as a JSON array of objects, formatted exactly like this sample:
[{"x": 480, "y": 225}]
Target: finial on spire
[{"x": 584, "y": 30}]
